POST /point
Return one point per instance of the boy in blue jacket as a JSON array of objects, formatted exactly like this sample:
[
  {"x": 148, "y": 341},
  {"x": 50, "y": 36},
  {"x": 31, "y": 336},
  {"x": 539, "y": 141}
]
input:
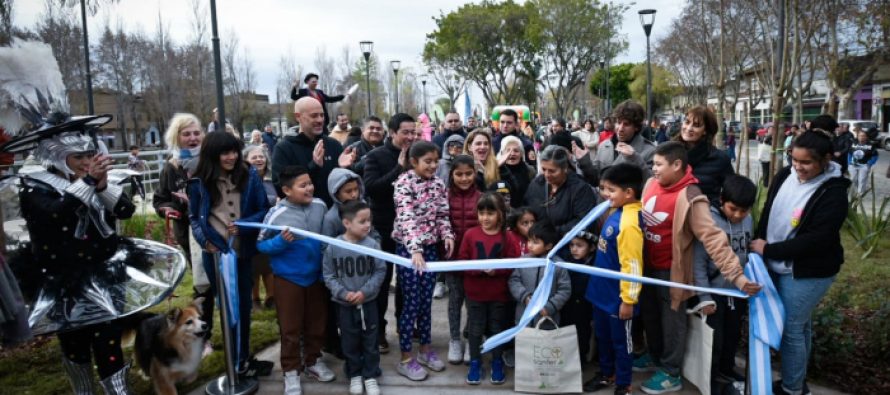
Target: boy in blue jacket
[
  {"x": 300, "y": 293},
  {"x": 620, "y": 249}
]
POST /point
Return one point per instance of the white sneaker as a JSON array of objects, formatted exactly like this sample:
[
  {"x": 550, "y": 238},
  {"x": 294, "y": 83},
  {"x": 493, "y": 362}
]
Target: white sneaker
[
  {"x": 467, "y": 353},
  {"x": 355, "y": 386},
  {"x": 440, "y": 291},
  {"x": 292, "y": 383},
  {"x": 320, "y": 371},
  {"x": 371, "y": 387},
  {"x": 455, "y": 352}
]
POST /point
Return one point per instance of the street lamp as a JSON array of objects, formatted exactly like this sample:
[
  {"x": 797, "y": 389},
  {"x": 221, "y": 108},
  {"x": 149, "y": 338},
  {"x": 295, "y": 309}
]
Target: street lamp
[
  {"x": 366, "y": 47},
  {"x": 423, "y": 82},
  {"x": 395, "y": 72},
  {"x": 647, "y": 18}
]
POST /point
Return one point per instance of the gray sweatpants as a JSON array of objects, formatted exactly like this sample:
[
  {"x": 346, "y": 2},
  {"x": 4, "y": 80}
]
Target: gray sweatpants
[{"x": 665, "y": 328}]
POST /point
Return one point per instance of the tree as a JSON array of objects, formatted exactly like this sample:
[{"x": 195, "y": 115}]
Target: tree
[
  {"x": 487, "y": 43},
  {"x": 662, "y": 85},
  {"x": 574, "y": 36},
  {"x": 864, "y": 27},
  {"x": 448, "y": 81},
  {"x": 619, "y": 82}
]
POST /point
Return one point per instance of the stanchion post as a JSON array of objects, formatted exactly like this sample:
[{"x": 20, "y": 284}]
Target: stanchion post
[{"x": 227, "y": 384}]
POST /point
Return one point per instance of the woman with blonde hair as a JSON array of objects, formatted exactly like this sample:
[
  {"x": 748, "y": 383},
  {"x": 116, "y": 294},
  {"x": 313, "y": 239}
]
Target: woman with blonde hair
[
  {"x": 183, "y": 139},
  {"x": 492, "y": 173}
]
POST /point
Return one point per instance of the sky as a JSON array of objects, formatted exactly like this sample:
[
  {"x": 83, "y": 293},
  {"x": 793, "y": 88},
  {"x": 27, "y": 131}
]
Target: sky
[{"x": 269, "y": 29}]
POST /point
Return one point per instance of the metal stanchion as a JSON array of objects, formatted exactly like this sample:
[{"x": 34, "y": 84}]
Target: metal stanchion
[{"x": 227, "y": 384}]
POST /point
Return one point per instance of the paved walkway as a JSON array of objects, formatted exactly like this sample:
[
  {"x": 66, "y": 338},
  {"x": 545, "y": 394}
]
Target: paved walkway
[{"x": 450, "y": 381}]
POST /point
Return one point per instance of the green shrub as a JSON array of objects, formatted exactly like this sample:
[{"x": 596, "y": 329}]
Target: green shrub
[{"x": 867, "y": 224}]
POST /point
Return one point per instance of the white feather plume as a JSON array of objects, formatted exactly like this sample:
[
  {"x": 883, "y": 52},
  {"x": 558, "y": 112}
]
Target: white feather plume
[{"x": 30, "y": 85}]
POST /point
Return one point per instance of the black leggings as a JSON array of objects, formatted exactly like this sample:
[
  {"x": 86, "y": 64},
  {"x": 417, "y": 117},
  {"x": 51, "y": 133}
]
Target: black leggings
[{"x": 105, "y": 342}]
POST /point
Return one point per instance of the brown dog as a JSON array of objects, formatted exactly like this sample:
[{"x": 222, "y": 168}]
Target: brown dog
[{"x": 168, "y": 347}]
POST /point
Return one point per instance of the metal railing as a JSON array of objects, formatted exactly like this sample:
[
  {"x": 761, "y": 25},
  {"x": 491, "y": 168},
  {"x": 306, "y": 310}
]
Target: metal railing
[{"x": 154, "y": 163}]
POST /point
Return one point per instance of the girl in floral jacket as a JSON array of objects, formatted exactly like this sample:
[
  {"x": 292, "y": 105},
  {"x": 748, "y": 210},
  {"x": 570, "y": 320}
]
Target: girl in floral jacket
[{"x": 421, "y": 222}]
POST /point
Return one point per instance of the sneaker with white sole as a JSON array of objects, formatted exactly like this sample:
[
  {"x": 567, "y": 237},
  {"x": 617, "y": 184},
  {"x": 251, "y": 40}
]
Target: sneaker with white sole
[
  {"x": 440, "y": 290},
  {"x": 292, "y": 383},
  {"x": 355, "y": 386},
  {"x": 371, "y": 387},
  {"x": 320, "y": 371},
  {"x": 411, "y": 370},
  {"x": 455, "y": 352},
  {"x": 431, "y": 361}
]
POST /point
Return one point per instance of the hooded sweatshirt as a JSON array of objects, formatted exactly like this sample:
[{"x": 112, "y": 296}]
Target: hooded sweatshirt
[
  {"x": 349, "y": 271},
  {"x": 299, "y": 261},
  {"x": 705, "y": 271},
  {"x": 332, "y": 225},
  {"x": 659, "y": 202},
  {"x": 787, "y": 210},
  {"x": 444, "y": 169}
]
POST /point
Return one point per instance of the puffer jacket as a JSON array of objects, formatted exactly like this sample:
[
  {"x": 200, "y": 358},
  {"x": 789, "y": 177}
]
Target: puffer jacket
[
  {"x": 421, "y": 212},
  {"x": 332, "y": 225},
  {"x": 462, "y": 211},
  {"x": 711, "y": 167},
  {"x": 523, "y": 283}
]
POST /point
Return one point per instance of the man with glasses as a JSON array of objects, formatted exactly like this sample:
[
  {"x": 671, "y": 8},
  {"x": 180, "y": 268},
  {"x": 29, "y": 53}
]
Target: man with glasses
[
  {"x": 382, "y": 166},
  {"x": 452, "y": 127}
]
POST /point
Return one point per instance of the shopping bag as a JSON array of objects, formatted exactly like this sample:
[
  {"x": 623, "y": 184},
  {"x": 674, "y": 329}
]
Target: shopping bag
[
  {"x": 699, "y": 348},
  {"x": 199, "y": 277},
  {"x": 547, "y": 361}
]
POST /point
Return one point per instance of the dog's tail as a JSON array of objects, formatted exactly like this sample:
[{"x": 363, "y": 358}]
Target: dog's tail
[{"x": 130, "y": 326}]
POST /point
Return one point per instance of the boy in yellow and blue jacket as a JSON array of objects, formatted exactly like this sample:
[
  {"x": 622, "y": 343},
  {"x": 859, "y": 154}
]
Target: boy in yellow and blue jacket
[{"x": 620, "y": 249}]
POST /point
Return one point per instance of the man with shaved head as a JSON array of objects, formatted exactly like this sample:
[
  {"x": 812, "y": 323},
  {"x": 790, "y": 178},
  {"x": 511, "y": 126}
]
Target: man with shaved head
[{"x": 310, "y": 148}]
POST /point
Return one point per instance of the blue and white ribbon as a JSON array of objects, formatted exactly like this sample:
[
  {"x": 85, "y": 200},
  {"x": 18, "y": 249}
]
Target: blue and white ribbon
[
  {"x": 542, "y": 292},
  {"x": 766, "y": 320},
  {"x": 228, "y": 266}
]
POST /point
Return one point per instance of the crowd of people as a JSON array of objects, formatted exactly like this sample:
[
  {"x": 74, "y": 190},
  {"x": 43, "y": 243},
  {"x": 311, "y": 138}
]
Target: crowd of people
[{"x": 678, "y": 212}]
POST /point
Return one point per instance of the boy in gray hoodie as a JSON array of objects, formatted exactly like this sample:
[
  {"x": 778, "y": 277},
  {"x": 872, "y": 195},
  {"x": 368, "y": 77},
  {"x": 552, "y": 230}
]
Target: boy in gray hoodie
[
  {"x": 454, "y": 145},
  {"x": 354, "y": 280},
  {"x": 725, "y": 313},
  {"x": 344, "y": 185},
  {"x": 541, "y": 238}
]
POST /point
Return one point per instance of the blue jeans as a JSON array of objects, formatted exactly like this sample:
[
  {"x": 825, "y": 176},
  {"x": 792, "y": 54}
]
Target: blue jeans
[{"x": 800, "y": 297}]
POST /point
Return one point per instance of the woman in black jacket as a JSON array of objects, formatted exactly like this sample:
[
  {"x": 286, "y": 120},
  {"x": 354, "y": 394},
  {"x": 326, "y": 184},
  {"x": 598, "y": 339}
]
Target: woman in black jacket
[
  {"x": 709, "y": 165},
  {"x": 558, "y": 193},
  {"x": 799, "y": 238}
]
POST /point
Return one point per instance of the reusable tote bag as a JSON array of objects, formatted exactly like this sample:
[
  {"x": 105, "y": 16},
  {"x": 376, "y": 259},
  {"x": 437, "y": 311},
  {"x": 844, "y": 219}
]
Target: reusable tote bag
[
  {"x": 699, "y": 345},
  {"x": 547, "y": 361}
]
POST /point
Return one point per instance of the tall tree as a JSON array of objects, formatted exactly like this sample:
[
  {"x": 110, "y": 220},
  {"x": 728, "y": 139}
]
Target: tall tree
[
  {"x": 857, "y": 46},
  {"x": 573, "y": 39},
  {"x": 663, "y": 89},
  {"x": 449, "y": 81},
  {"x": 487, "y": 43}
]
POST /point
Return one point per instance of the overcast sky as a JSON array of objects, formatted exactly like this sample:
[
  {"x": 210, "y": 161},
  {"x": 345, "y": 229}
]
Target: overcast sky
[{"x": 271, "y": 28}]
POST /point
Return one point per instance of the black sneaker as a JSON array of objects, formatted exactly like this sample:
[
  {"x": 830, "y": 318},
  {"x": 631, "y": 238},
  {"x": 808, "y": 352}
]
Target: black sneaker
[
  {"x": 624, "y": 390},
  {"x": 779, "y": 390},
  {"x": 256, "y": 368},
  {"x": 597, "y": 383},
  {"x": 383, "y": 346}
]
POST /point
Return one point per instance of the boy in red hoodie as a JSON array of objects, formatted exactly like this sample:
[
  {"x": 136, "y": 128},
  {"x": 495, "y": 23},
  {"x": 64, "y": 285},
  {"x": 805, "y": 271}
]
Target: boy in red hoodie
[{"x": 676, "y": 214}]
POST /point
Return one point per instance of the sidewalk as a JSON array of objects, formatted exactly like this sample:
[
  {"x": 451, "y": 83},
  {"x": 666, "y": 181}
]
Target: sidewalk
[{"x": 449, "y": 381}]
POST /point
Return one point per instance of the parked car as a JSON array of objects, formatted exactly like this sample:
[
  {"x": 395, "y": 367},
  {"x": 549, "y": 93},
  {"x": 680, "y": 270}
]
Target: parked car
[
  {"x": 871, "y": 127},
  {"x": 883, "y": 140}
]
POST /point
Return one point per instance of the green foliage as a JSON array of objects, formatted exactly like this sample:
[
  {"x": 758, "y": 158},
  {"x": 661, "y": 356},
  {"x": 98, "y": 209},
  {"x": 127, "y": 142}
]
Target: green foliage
[
  {"x": 487, "y": 43},
  {"x": 866, "y": 223},
  {"x": 144, "y": 226},
  {"x": 619, "y": 82},
  {"x": 663, "y": 88}
]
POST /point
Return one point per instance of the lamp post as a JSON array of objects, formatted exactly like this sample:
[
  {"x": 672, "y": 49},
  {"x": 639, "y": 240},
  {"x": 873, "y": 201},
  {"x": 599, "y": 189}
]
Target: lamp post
[
  {"x": 647, "y": 18},
  {"x": 395, "y": 72},
  {"x": 423, "y": 83},
  {"x": 366, "y": 47},
  {"x": 86, "y": 58}
]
